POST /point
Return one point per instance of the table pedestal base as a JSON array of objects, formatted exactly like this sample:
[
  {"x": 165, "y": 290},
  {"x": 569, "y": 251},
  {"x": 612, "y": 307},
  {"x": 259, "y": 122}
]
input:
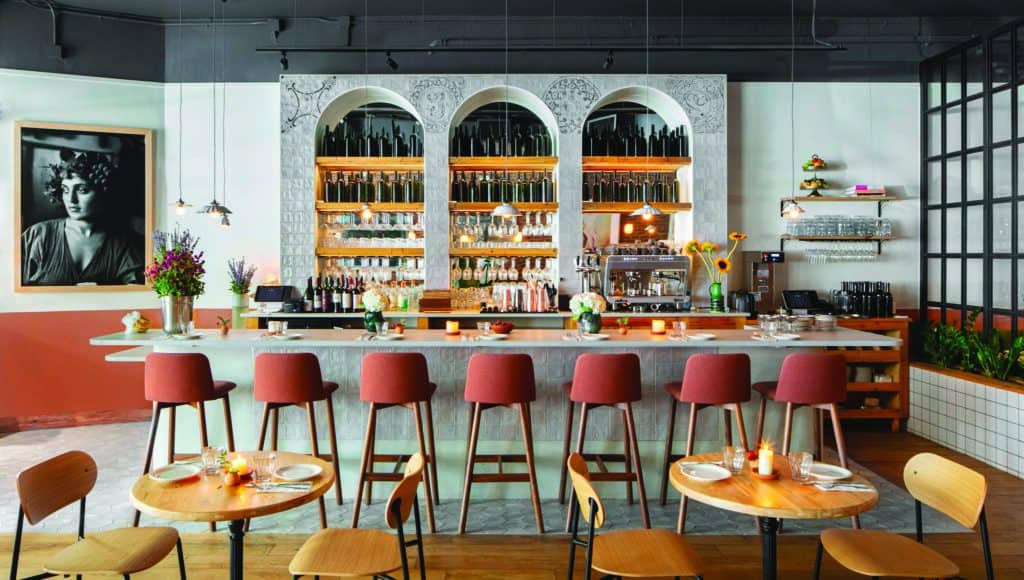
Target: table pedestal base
[
  {"x": 769, "y": 536},
  {"x": 236, "y": 531}
]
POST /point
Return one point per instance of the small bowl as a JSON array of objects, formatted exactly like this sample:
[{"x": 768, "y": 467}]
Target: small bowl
[{"x": 502, "y": 327}]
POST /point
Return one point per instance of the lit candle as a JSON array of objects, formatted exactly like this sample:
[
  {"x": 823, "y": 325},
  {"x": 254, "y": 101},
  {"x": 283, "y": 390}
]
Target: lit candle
[
  {"x": 451, "y": 327},
  {"x": 657, "y": 327},
  {"x": 239, "y": 465},
  {"x": 765, "y": 459}
]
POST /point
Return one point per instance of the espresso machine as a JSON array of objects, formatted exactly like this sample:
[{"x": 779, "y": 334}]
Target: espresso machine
[
  {"x": 764, "y": 275},
  {"x": 646, "y": 283}
]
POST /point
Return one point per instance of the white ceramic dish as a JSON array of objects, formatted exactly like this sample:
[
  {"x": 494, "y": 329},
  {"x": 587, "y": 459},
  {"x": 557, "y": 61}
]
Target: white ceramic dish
[
  {"x": 826, "y": 472},
  {"x": 595, "y": 336},
  {"x": 193, "y": 336},
  {"x": 388, "y": 336},
  {"x": 297, "y": 472},
  {"x": 492, "y": 336},
  {"x": 700, "y": 336},
  {"x": 286, "y": 336},
  {"x": 174, "y": 472},
  {"x": 704, "y": 472},
  {"x": 785, "y": 336}
]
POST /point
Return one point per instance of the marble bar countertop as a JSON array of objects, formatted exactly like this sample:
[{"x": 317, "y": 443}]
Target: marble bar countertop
[
  {"x": 519, "y": 338},
  {"x": 609, "y": 315}
]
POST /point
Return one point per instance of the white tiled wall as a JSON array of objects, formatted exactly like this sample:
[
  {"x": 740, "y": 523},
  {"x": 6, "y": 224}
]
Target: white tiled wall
[{"x": 981, "y": 421}]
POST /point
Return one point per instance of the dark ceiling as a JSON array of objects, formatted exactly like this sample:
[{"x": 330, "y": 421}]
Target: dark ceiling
[{"x": 634, "y": 8}]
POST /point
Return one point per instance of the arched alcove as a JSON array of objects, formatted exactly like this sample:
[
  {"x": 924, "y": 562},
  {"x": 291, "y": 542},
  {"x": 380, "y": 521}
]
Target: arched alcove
[
  {"x": 665, "y": 106},
  {"x": 513, "y": 96},
  {"x": 372, "y": 110}
]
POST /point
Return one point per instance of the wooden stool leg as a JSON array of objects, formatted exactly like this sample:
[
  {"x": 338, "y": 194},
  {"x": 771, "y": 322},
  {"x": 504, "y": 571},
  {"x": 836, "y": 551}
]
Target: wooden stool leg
[
  {"x": 837, "y": 431},
  {"x": 315, "y": 448},
  {"x": 203, "y": 436},
  {"x": 759, "y": 429},
  {"x": 670, "y": 434},
  {"x": 334, "y": 449},
  {"x": 273, "y": 428},
  {"x": 474, "y": 434},
  {"x": 263, "y": 427},
  {"x": 170, "y": 433},
  {"x": 371, "y": 463},
  {"x": 230, "y": 430},
  {"x": 370, "y": 423},
  {"x": 627, "y": 457},
  {"x": 819, "y": 425},
  {"x": 741, "y": 426},
  {"x": 641, "y": 488},
  {"x": 563, "y": 470},
  {"x": 153, "y": 424},
  {"x": 421, "y": 440},
  {"x": 691, "y": 431},
  {"x": 727, "y": 425},
  {"x": 432, "y": 450},
  {"x": 584, "y": 411},
  {"x": 526, "y": 418},
  {"x": 787, "y": 428}
]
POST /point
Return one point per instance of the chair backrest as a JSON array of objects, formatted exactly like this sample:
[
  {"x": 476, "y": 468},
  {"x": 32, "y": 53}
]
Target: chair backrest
[
  {"x": 178, "y": 377},
  {"x": 405, "y": 492},
  {"x": 716, "y": 379},
  {"x": 394, "y": 377},
  {"x": 57, "y": 482},
  {"x": 606, "y": 379},
  {"x": 500, "y": 379},
  {"x": 584, "y": 489},
  {"x": 812, "y": 379},
  {"x": 955, "y": 490},
  {"x": 287, "y": 378}
]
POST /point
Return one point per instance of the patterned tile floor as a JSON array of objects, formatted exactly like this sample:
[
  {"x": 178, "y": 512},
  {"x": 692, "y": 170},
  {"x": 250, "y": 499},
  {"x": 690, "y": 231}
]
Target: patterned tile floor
[{"x": 117, "y": 449}]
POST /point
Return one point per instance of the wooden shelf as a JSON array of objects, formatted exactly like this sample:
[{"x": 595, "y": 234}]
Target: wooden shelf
[
  {"x": 356, "y": 252},
  {"x": 370, "y": 163},
  {"x": 500, "y": 163},
  {"x": 869, "y": 414},
  {"x": 837, "y": 238},
  {"x": 631, "y": 206},
  {"x": 490, "y": 205},
  {"x": 870, "y": 356},
  {"x": 840, "y": 198},
  {"x": 384, "y": 207},
  {"x": 602, "y": 163},
  {"x": 504, "y": 252},
  {"x": 874, "y": 387}
]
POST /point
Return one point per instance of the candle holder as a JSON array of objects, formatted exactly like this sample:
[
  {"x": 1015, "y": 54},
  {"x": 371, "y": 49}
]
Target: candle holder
[
  {"x": 451, "y": 327},
  {"x": 765, "y": 466},
  {"x": 657, "y": 326}
]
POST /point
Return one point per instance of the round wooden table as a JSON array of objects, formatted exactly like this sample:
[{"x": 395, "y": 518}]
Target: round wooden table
[
  {"x": 772, "y": 500},
  {"x": 208, "y": 499}
]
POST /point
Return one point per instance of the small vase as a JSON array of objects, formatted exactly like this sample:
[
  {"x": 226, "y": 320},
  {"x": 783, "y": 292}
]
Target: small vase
[
  {"x": 717, "y": 298},
  {"x": 370, "y": 320},
  {"x": 589, "y": 323},
  {"x": 177, "y": 313},
  {"x": 239, "y": 305}
]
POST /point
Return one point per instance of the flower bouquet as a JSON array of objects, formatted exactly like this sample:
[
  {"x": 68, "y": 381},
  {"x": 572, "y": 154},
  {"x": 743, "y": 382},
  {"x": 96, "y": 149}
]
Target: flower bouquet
[
  {"x": 241, "y": 275},
  {"x": 586, "y": 309},
  {"x": 176, "y": 275},
  {"x": 374, "y": 303},
  {"x": 717, "y": 267}
]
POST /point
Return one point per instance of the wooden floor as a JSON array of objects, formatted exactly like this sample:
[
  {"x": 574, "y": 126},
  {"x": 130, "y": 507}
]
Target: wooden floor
[{"x": 530, "y": 557}]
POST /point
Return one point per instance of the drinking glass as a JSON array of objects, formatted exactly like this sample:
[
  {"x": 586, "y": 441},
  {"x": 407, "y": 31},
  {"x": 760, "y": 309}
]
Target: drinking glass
[
  {"x": 211, "y": 460},
  {"x": 263, "y": 465},
  {"x": 679, "y": 329},
  {"x": 382, "y": 328},
  {"x": 734, "y": 459},
  {"x": 800, "y": 465},
  {"x": 484, "y": 328}
]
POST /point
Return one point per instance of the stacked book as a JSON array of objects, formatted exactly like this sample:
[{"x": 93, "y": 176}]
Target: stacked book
[
  {"x": 436, "y": 301},
  {"x": 858, "y": 190}
]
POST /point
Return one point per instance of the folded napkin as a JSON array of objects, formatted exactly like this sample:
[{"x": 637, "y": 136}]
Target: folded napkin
[{"x": 283, "y": 487}]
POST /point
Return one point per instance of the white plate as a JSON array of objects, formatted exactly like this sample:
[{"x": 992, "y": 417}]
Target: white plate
[
  {"x": 595, "y": 336},
  {"x": 285, "y": 336},
  {"x": 174, "y": 472},
  {"x": 826, "y": 472},
  {"x": 784, "y": 336},
  {"x": 186, "y": 336},
  {"x": 298, "y": 471},
  {"x": 389, "y": 336},
  {"x": 704, "y": 472},
  {"x": 492, "y": 336},
  {"x": 700, "y": 336}
]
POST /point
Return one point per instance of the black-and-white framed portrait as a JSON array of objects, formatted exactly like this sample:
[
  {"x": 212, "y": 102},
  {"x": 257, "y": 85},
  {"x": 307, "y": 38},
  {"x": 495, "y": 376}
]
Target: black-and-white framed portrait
[{"x": 83, "y": 214}]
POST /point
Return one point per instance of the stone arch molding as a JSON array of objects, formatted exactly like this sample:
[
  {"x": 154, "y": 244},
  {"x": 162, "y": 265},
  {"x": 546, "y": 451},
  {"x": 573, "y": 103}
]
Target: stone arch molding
[
  {"x": 514, "y": 95},
  {"x": 668, "y": 108},
  {"x": 570, "y": 99},
  {"x": 436, "y": 98},
  {"x": 352, "y": 99},
  {"x": 704, "y": 99}
]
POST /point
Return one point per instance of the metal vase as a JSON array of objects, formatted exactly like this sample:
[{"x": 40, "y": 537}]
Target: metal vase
[{"x": 177, "y": 313}]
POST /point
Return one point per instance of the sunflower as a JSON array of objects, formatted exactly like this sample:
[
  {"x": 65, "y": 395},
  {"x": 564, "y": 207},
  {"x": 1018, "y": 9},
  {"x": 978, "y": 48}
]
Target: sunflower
[
  {"x": 708, "y": 247},
  {"x": 737, "y": 236},
  {"x": 692, "y": 246},
  {"x": 723, "y": 265}
]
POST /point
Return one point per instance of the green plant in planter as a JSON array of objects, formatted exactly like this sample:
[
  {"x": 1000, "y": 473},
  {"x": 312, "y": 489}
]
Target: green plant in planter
[
  {"x": 995, "y": 355},
  {"x": 944, "y": 345}
]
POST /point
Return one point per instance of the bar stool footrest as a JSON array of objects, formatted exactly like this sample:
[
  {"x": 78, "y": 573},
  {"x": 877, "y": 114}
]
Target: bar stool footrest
[{"x": 501, "y": 478}]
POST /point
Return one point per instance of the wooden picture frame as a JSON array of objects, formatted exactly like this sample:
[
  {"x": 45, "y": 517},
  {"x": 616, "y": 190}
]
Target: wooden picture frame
[{"x": 33, "y": 140}]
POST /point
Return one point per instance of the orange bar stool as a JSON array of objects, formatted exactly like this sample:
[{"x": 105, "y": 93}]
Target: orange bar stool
[
  {"x": 710, "y": 380},
  {"x": 175, "y": 379},
  {"x": 294, "y": 379},
  {"x": 815, "y": 380},
  {"x": 607, "y": 380},
  {"x": 396, "y": 379},
  {"x": 501, "y": 380}
]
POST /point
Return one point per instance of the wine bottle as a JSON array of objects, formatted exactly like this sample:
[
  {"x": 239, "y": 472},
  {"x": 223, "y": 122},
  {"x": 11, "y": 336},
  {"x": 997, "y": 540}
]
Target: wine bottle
[
  {"x": 336, "y": 299},
  {"x": 307, "y": 298},
  {"x": 345, "y": 296},
  {"x": 318, "y": 304}
]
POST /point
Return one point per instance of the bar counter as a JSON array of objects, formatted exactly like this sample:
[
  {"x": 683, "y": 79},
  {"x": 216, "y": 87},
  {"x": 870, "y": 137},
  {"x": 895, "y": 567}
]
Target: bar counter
[{"x": 341, "y": 351}]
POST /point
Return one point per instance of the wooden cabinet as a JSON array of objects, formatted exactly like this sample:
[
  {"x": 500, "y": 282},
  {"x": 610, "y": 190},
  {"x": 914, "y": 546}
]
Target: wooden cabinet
[{"x": 867, "y": 364}]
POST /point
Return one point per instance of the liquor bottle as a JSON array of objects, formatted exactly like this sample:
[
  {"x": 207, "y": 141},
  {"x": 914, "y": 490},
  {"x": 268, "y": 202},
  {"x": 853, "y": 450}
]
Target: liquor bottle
[
  {"x": 307, "y": 298},
  {"x": 357, "y": 297},
  {"x": 547, "y": 192},
  {"x": 415, "y": 142},
  {"x": 380, "y": 190},
  {"x": 336, "y": 297},
  {"x": 397, "y": 142},
  {"x": 653, "y": 143},
  {"x": 346, "y": 295},
  {"x": 318, "y": 304}
]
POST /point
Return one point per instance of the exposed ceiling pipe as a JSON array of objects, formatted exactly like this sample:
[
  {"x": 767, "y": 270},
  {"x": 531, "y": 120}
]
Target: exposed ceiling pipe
[{"x": 437, "y": 46}]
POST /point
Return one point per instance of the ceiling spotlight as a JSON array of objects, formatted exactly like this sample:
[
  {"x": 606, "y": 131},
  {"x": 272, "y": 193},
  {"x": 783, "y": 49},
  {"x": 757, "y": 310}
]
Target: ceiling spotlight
[
  {"x": 284, "y": 60},
  {"x": 609, "y": 60},
  {"x": 391, "y": 62},
  {"x": 646, "y": 212}
]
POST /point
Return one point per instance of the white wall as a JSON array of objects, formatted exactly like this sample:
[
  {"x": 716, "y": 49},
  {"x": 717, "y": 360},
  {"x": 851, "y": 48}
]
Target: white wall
[{"x": 869, "y": 131}]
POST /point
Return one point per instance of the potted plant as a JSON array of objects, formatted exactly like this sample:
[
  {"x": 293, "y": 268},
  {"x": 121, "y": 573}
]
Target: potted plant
[
  {"x": 176, "y": 275},
  {"x": 586, "y": 308},
  {"x": 717, "y": 267},
  {"x": 374, "y": 302},
  {"x": 623, "y": 325},
  {"x": 224, "y": 324},
  {"x": 240, "y": 275}
]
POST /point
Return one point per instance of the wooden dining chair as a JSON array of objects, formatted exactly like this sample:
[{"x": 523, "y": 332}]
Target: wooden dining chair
[
  {"x": 60, "y": 481},
  {"x": 622, "y": 553},
  {"x": 955, "y": 490},
  {"x": 361, "y": 552}
]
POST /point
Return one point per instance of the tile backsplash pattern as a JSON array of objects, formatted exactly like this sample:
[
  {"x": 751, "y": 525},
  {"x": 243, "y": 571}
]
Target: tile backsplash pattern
[{"x": 977, "y": 420}]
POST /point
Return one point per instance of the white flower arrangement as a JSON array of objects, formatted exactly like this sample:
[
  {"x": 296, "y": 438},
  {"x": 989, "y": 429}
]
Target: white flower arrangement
[
  {"x": 374, "y": 300},
  {"x": 586, "y": 303}
]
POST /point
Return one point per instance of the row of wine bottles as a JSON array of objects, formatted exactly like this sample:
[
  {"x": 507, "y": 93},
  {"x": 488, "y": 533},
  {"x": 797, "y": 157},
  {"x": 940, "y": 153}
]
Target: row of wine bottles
[
  {"x": 349, "y": 139},
  {"x": 493, "y": 186},
  {"x": 661, "y": 187},
  {"x": 338, "y": 294},
  {"x": 520, "y": 141},
  {"x": 373, "y": 187},
  {"x": 635, "y": 142}
]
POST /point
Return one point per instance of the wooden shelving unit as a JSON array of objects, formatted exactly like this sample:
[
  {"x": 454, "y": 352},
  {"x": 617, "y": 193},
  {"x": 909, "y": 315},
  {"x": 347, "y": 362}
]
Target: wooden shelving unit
[
  {"x": 630, "y": 206},
  {"x": 370, "y": 163},
  {"x": 490, "y": 205},
  {"x": 502, "y": 163},
  {"x": 603, "y": 163},
  {"x": 376, "y": 252},
  {"x": 503, "y": 252},
  {"x": 840, "y": 199},
  {"x": 894, "y": 396},
  {"x": 786, "y": 237},
  {"x": 323, "y": 206}
]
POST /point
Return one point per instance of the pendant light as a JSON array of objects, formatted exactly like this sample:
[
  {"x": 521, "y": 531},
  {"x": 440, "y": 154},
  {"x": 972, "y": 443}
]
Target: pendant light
[
  {"x": 180, "y": 207},
  {"x": 792, "y": 209},
  {"x": 506, "y": 210},
  {"x": 225, "y": 222},
  {"x": 365, "y": 211},
  {"x": 213, "y": 210},
  {"x": 647, "y": 212}
]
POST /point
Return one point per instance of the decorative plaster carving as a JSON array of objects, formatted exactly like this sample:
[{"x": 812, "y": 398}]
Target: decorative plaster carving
[
  {"x": 305, "y": 100},
  {"x": 570, "y": 99},
  {"x": 436, "y": 99},
  {"x": 703, "y": 98}
]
